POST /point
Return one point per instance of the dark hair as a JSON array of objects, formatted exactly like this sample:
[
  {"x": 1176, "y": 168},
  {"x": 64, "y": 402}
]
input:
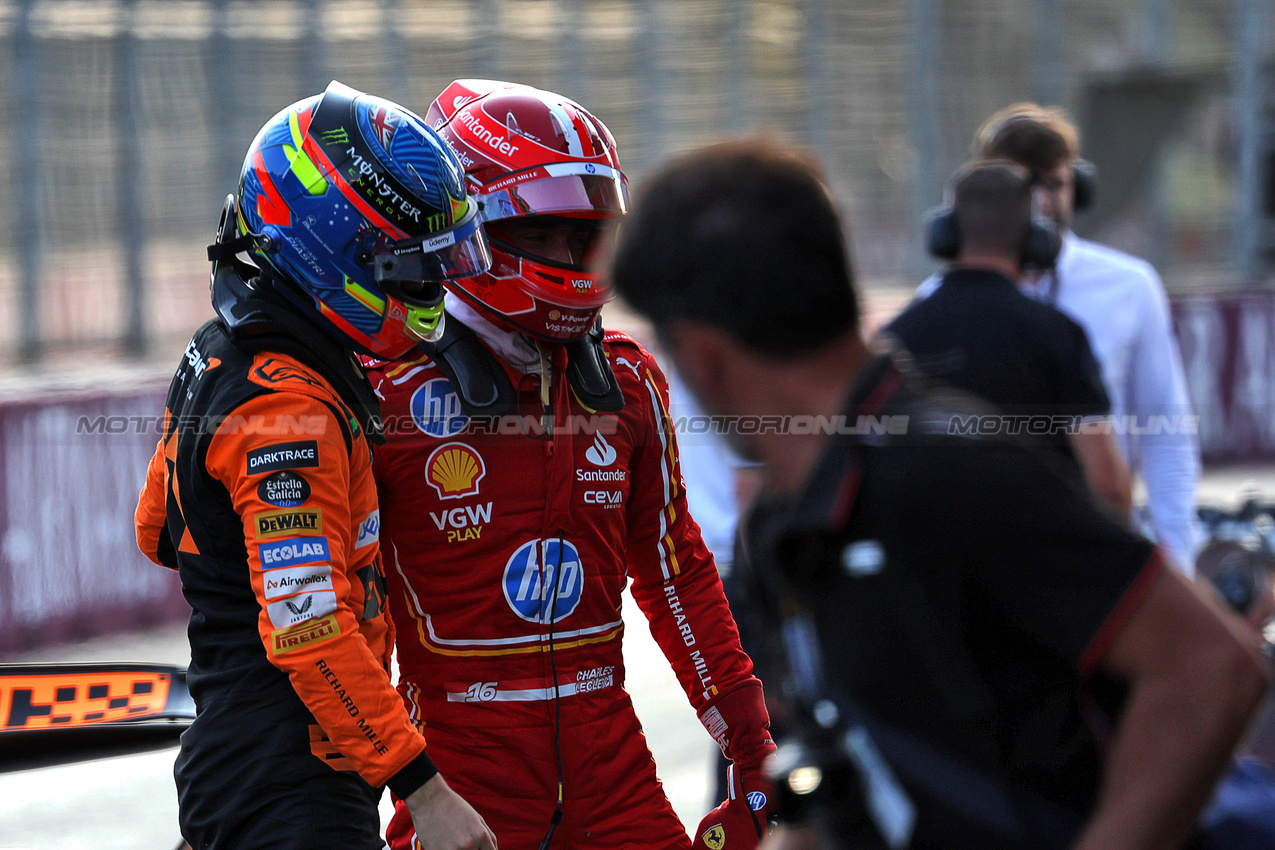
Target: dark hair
[
  {"x": 1036, "y": 137},
  {"x": 992, "y": 206},
  {"x": 744, "y": 236}
]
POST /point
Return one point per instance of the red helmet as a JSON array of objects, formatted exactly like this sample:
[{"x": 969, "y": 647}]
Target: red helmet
[{"x": 542, "y": 168}]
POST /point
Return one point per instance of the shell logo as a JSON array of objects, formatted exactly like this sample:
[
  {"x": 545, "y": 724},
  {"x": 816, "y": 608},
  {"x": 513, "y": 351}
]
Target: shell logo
[
  {"x": 454, "y": 470},
  {"x": 555, "y": 315}
]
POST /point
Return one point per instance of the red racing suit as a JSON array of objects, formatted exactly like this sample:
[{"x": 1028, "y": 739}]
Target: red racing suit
[
  {"x": 507, "y": 548},
  {"x": 261, "y": 495}
]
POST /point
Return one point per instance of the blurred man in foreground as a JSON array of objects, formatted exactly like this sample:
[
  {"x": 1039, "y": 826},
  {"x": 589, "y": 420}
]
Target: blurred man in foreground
[
  {"x": 260, "y": 493},
  {"x": 968, "y": 607},
  {"x": 531, "y": 472}
]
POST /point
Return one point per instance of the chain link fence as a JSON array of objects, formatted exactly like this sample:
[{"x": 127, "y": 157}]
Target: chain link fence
[{"x": 126, "y": 121}]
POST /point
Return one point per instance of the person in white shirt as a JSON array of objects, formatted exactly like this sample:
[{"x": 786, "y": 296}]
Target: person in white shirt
[{"x": 1120, "y": 302}]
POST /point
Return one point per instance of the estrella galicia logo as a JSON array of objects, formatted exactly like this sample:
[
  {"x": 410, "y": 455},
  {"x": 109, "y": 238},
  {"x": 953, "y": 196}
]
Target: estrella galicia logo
[
  {"x": 436, "y": 409},
  {"x": 283, "y": 456},
  {"x": 756, "y": 800},
  {"x": 537, "y": 572},
  {"x": 292, "y": 551},
  {"x": 285, "y": 489}
]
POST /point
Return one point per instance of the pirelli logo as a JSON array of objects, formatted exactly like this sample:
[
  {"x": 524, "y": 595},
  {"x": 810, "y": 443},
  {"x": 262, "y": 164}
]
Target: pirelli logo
[
  {"x": 286, "y": 523},
  {"x": 304, "y": 634}
]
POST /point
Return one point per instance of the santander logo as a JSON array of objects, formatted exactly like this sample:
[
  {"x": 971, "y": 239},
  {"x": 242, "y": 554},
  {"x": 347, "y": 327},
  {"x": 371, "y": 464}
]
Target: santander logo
[{"x": 601, "y": 453}]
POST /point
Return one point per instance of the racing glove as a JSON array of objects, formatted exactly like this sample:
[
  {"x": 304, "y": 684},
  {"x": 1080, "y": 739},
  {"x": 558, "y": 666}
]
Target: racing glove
[{"x": 741, "y": 726}]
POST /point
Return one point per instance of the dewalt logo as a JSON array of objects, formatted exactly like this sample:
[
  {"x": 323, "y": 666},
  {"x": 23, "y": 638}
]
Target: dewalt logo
[{"x": 271, "y": 524}]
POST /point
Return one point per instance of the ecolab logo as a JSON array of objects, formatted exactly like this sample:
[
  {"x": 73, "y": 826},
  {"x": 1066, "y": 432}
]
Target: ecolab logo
[
  {"x": 476, "y": 127},
  {"x": 293, "y": 551}
]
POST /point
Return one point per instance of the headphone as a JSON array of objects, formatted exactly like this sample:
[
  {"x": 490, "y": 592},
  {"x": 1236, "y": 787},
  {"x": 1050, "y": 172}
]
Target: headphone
[
  {"x": 1084, "y": 174},
  {"x": 1040, "y": 245},
  {"x": 1084, "y": 184}
]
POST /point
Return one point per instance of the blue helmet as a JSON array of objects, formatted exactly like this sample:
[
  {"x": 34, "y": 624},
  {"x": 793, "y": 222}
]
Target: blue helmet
[{"x": 357, "y": 211}]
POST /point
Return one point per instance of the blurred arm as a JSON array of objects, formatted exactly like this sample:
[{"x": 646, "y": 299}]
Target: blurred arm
[
  {"x": 1169, "y": 461},
  {"x": 1195, "y": 678},
  {"x": 1105, "y": 470}
]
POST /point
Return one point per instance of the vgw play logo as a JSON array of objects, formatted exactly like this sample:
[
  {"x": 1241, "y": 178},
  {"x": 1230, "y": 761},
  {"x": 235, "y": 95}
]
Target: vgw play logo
[{"x": 544, "y": 580}]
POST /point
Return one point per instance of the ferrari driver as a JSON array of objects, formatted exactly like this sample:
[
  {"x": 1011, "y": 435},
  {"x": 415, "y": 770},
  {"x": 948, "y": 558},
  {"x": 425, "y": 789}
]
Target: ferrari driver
[{"x": 530, "y": 473}]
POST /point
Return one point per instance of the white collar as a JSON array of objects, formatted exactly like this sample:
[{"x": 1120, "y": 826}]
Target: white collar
[{"x": 511, "y": 346}]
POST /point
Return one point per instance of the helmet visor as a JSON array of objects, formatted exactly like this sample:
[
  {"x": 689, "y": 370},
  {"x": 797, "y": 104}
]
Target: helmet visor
[
  {"x": 415, "y": 269},
  {"x": 573, "y": 187}
]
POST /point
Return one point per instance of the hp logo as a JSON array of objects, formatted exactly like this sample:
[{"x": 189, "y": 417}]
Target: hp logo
[
  {"x": 532, "y": 574},
  {"x": 436, "y": 409}
]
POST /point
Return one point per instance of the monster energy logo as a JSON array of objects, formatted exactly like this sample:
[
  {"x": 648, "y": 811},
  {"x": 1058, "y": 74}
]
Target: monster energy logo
[{"x": 335, "y": 137}]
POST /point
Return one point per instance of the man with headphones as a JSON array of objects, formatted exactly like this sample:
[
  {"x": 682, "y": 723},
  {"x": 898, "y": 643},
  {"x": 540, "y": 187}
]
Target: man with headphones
[
  {"x": 979, "y": 333},
  {"x": 1120, "y": 302}
]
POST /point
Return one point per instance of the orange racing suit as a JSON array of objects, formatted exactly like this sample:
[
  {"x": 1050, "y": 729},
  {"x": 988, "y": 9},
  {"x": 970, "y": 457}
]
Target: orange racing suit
[{"x": 261, "y": 495}]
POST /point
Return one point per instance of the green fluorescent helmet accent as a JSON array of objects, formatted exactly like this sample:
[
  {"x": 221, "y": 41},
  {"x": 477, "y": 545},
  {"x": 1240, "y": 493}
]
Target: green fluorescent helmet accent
[
  {"x": 301, "y": 164},
  {"x": 424, "y": 322}
]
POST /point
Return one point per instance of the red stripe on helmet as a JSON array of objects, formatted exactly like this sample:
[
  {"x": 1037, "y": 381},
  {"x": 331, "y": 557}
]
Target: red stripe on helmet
[
  {"x": 270, "y": 204},
  {"x": 379, "y": 221}
]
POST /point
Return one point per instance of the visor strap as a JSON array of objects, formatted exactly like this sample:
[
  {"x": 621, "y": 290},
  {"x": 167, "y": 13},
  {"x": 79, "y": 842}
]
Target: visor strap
[{"x": 228, "y": 249}]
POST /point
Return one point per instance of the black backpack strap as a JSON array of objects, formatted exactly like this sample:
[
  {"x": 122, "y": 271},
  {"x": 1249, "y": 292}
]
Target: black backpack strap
[
  {"x": 481, "y": 383},
  {"x": 589, "y": 372}
]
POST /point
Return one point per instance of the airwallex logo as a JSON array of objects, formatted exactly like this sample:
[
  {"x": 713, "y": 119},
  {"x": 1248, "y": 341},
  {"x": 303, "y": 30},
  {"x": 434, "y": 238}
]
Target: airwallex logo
[{"x": 287, "y": 582}]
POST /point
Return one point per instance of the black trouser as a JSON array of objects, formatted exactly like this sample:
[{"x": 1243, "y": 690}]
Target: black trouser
[{"x": 247, "y": 779}]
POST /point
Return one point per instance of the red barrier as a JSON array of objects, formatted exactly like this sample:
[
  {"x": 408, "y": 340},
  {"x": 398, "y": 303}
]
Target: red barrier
[
  {"x": 70, "y": 569},
  {"x": 1228, "y": 351}
]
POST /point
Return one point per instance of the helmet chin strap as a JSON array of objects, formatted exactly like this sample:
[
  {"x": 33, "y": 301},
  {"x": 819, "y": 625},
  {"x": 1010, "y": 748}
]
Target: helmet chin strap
[{"x": 544, "y": 375}]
